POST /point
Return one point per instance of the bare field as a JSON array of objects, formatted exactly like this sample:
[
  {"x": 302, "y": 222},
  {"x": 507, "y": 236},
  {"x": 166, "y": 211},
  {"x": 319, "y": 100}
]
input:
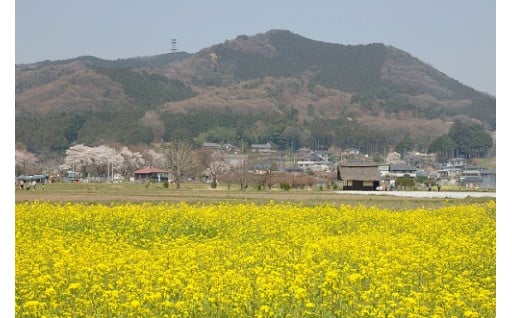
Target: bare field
[{"x": 200, "y": 193}]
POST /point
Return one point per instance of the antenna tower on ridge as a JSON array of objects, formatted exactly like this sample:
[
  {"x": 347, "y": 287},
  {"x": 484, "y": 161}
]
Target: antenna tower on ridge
[{"x": 173, "y": 45}]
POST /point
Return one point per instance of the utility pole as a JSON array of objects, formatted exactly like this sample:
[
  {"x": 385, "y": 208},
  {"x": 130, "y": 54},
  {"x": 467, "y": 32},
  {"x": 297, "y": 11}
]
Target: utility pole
[{"x": 173, "y": 45}]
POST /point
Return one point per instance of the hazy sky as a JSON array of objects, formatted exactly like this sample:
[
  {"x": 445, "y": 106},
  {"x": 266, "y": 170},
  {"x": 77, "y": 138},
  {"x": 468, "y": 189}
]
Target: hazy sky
[{"x": 458, "y": 37}]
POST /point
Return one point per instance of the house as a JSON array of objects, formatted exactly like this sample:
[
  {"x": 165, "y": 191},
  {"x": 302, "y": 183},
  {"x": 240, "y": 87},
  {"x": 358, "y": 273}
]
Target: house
[
  {"x": 471, "y": 182},
  {"x": 358, "y": 176},
  {"x": 315, "y": 161},
  {"x": 383, "y": 170},
  {"x": 475, "y": 176},
  {"x": 459, "y": 163},
  {"x": 151, "y": 174},
  {"x": 400, "y": 170},
  {"x": 302, "y": 152},
  {"x": 236, "y": 161},
  {"x": 449, "y": 172},
  {"x": 261, "y": 147},
  {"x": 294, "y": 170},
  {"x": 71, "y": 177},
  {"x": 488, "y": 179},
  {"x": 211, "y": 145},
  {"x": 394, "y": 157},
  {"x": 419, "y": 159},
  {"x": 350, "y": 151}
]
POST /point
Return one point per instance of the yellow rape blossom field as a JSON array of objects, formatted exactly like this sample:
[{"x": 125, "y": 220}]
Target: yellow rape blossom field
[{"x": 254, "y": 260}]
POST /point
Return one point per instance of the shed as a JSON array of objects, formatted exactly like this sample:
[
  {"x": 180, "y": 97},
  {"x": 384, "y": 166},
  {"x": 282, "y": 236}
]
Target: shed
[
  {"x": 471, "y": 182},
  {"x": 151, "y": 174},
  {"x": 39, "y": 178},
  {"x": 359, "y": 176}
]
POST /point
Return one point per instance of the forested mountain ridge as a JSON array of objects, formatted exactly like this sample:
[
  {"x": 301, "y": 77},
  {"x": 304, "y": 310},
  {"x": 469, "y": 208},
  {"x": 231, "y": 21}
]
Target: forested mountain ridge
[
  {"x": 275, "y": 86},
  {"x": 375, "y": 71}
]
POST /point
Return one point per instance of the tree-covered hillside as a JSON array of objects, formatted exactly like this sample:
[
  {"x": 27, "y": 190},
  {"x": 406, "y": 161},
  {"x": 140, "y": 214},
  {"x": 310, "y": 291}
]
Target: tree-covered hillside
[
  {"x": 275, "y": 87},
  {"x": 148, "y": 89},
  {"x": 347, "y": 68}
]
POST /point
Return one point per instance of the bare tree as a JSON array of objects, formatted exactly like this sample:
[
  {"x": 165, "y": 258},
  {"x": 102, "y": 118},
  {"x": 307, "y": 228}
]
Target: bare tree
[
  {"x": 242, "y": 172},
  {"x": 181, "y": 160},
  {"x": 203, "y": 157}
]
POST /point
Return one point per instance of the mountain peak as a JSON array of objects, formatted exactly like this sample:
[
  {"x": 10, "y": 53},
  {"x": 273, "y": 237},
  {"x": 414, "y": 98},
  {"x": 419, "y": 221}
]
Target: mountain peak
[{"x": 258, "y": 44}]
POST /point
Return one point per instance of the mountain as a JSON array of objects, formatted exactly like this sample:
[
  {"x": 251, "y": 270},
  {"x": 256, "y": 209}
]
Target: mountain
[{"x": 275, "y": 86}]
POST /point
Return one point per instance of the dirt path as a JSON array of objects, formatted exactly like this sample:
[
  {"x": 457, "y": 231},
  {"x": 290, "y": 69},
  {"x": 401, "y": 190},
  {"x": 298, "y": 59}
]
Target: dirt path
[{"x": 398, "y": 200}]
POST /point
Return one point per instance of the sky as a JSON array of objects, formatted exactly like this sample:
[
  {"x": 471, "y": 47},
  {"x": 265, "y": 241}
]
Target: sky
[{"x": 457, "y": 37}]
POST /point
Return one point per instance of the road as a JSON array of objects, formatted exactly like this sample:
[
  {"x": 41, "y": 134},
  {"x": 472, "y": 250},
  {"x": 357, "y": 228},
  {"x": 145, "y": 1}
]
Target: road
[{"x": 426, "y": 194}]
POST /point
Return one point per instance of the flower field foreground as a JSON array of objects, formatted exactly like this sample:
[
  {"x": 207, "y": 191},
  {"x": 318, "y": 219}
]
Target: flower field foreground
[{"x": 249, "y": 260}]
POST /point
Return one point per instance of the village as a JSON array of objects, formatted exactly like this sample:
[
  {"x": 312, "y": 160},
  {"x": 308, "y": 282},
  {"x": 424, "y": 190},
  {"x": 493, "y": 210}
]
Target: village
[{"x": 261, "y": 166}]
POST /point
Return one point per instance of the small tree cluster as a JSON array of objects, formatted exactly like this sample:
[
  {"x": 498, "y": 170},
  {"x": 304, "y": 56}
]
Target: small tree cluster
[{"x": 465, "y": 139}]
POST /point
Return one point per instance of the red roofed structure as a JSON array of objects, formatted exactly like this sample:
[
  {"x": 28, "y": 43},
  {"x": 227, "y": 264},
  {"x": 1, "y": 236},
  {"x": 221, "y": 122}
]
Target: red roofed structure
[{"x": 151, "y": 174}]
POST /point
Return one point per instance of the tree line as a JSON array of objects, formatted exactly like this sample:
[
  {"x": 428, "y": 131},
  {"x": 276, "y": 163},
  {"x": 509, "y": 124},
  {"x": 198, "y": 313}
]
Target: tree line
[
  {"x": 183, "y": 159},
  {"x": 54, "y": 133}
]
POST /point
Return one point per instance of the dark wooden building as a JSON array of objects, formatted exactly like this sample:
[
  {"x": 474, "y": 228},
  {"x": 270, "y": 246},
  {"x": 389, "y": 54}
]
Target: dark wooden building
[{"x": 358, "y": 176}]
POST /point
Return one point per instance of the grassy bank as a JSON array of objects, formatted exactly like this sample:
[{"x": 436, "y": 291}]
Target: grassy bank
[{"x": 195, "y": 193}]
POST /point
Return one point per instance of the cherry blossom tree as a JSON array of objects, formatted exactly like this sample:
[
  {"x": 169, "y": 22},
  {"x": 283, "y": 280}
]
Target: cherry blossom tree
[
  {"x": 217, "y": 167},
  {"x": 102, "y": 160},
  {"x": 132, "y": 161},
  {"x": 155, "y": 159},
  {"x": 106, "y": 161},
  {"x": 26, "y": 162},
  {"x": 78, "y": 159}
]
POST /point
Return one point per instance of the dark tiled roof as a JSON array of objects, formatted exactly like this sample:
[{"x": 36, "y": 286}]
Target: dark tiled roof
[{"x": 401, "y": 167}]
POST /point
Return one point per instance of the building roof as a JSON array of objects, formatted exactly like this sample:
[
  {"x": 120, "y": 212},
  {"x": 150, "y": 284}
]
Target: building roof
[
  {"x": 261, "y": 146},
  {"x": 294, "y": 169},
  {"x": 471, "y": 179},
  {"x": 34, "y": 177},
  {"x": 212, "y": 145},
  {"x": 148, "y": 170},
  {"x": 312, "y": 157},
  {"x": 359, "y": 172},
  {"x": 401, "y": 167}
]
